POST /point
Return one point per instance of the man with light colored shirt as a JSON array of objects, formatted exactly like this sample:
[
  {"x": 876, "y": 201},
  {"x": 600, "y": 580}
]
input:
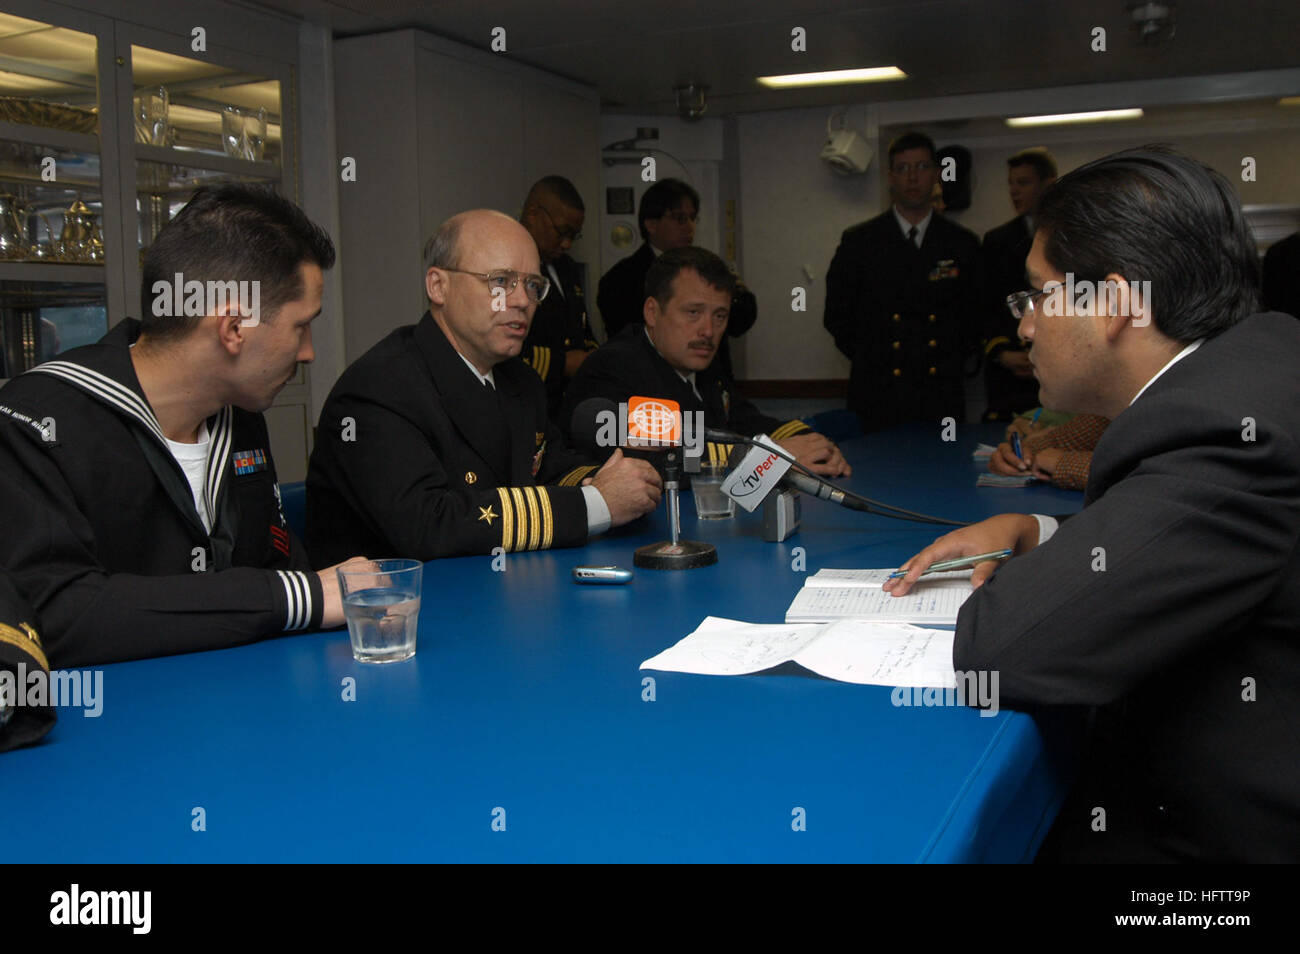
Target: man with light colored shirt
[
  {"x": 436, "y": 442},
  {"x": 1170, "y": 602}
]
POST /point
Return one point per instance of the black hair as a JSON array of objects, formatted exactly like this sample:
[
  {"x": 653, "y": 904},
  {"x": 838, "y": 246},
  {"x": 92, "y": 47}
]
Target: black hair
[
  {"x": 663, "y": 197},
  {"x": 659, "y": 279},
  {"x": 558, "y": 187},
  {"x": 1039, "y": 158},
  {"x": 1152, "y": 214},
  {"x": 910, "y": 140},
  {"x": 232, "y": 233}
]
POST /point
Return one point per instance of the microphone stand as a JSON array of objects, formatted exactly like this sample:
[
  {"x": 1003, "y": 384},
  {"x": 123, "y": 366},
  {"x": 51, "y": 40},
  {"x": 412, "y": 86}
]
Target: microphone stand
[{"x": 674, "y": 553}]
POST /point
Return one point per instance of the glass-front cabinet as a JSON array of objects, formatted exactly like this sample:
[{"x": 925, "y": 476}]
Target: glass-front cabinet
[
  {"x": 106, "y": 130},
  {"x": 52, "y": 249}
]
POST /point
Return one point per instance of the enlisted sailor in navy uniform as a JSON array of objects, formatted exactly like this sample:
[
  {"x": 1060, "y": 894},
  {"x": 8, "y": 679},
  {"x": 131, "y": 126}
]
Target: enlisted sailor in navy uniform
[
  {"x": 903, "y": 300},
  {"x": 436, "y": 442},
  {"x": 137, "y": 488}
]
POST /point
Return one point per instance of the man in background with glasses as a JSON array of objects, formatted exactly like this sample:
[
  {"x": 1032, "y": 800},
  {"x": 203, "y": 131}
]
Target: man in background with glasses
[
  {"x": 903, "y": 300},
  {"x": 436, "y": 442},
  {"x": 560, "y": 336}
]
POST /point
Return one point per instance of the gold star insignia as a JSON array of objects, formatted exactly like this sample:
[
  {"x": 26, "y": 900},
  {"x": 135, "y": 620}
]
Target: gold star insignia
[
  {"x": 487, "y": 514},
  {"x": 470, "y": 477}
]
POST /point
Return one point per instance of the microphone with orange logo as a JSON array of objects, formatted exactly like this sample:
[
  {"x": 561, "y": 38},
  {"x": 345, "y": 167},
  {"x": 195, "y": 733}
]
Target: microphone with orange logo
[{"x": 641, "y": 424}]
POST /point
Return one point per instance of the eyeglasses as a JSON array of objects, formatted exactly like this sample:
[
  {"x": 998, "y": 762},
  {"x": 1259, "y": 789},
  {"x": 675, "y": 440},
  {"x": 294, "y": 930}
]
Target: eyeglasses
[
  {"x": 535, "y": 286},
  {"x": 1021, "y": 303},
  {"x": 565, "y": 234},
  {"x": 903, "y": 168}
]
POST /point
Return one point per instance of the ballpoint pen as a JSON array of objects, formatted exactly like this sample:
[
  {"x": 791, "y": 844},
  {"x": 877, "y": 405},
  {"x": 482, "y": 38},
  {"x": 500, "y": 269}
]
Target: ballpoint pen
[{"x": 959, "y": 563}]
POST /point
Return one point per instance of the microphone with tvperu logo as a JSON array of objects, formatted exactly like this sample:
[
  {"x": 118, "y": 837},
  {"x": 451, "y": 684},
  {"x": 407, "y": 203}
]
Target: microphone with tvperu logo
[{"x": 657, "y": 422}]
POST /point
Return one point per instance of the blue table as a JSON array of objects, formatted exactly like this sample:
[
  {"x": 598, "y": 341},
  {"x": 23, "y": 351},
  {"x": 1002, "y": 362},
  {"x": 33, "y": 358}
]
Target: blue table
[{"x": 524, "y": 706}]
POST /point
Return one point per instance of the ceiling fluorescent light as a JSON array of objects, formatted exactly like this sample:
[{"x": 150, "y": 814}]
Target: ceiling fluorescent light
[
  {"x": 1097, "y": 116},
  {"x": 872, "y": 74}
]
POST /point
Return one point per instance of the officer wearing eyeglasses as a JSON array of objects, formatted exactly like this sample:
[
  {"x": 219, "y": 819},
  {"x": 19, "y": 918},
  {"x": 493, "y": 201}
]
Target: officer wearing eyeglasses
[
  {"x": 436, "y": 442},
  {"x": 903, "y": 300},
  {"x": 560, "y": 337}
]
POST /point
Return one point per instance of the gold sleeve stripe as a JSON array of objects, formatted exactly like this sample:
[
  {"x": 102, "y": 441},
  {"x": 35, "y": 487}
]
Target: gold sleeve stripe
[
  {"x": 534, "y": 518},
  {"x": 546, "y": 362},
  {"x": 548, "y": 518},
  {"x": 16, "y": 638},
  {"x": 574, "y": 477},
  {"x": 994, "y": 342},
  {"x": 789, "y": 429},
  {"x": 521, "y": 519},
  {"x": 507, "y": 519},
  {"x": 718, "y": 453}
]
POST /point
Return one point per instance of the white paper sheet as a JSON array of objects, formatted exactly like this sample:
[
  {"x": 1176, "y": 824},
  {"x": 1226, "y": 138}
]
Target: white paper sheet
[
  {"x": 726, "y": 647},
  {"x": 858, "y": 651},
  {"x": 881, "y": 654}
]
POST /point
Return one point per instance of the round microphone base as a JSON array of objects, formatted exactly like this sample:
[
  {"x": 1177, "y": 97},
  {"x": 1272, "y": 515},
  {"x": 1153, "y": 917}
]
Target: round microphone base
[{"x": 686, "y": 555}]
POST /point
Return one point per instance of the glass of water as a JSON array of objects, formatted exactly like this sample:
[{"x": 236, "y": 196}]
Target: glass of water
[
  {"x": 710, "y": 502},
  {"x": 381, "y": 601}
]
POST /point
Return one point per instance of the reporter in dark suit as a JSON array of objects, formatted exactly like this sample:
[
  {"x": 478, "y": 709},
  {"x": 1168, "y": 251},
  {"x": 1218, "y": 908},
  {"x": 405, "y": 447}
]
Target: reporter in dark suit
[{"x": 1170, "y": 603}]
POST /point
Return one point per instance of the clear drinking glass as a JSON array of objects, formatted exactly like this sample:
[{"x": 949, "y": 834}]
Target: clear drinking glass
[
  {"x": 381, "y": 601},
  {"x": 710, "y": 502}
]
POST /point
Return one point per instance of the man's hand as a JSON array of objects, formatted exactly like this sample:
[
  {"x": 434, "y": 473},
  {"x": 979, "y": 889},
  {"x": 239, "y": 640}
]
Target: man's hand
[
  {"x": 1044, "y": 463},
  {"x": 631, "y": 488},
  {"x": 1005, "y": 462},
  {"x": 1016, "y": 531},
  {"x": 818, "y": 454},
  {"x": 332, "y": 613}
]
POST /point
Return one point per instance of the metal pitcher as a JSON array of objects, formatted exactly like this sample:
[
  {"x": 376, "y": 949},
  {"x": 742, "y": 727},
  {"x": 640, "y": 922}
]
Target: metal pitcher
[
  {"x": 13, "y": 238},
  {"x": 80, "y": 228}
]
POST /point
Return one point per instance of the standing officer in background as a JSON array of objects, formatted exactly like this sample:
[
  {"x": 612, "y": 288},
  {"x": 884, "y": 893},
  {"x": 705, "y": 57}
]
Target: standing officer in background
[
  {"x": 560, "y": 336},
  {"x": 1009, "y": 379},
  {"x": 666, "y": 215},
  {"x": 903, "y": 300}
]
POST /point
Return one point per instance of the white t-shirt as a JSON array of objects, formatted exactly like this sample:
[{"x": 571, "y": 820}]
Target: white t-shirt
[{"x": 193, "y": 459}]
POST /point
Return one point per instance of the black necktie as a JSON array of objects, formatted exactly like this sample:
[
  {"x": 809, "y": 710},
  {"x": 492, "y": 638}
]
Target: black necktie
[{"x": 911, "y": 236}]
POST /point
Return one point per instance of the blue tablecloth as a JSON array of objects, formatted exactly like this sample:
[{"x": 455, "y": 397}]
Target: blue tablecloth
[{"x": 524, "y": 710}]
